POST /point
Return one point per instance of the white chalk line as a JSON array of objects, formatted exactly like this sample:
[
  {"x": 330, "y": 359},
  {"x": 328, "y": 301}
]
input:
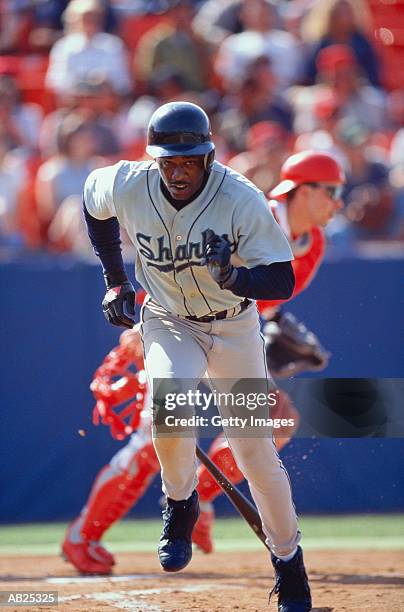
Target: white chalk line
[
  {"x": 103, "y": 579},
  {"x": 116, "y": 600}
]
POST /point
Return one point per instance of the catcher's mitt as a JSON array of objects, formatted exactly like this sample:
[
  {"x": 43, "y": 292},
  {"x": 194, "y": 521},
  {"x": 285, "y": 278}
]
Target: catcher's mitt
[{"x": 291, "y": 348}]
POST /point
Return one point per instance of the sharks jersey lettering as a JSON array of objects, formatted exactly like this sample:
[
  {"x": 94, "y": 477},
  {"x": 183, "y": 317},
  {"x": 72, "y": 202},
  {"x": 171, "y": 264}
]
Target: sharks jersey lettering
[{"x": 185, "y": 255}]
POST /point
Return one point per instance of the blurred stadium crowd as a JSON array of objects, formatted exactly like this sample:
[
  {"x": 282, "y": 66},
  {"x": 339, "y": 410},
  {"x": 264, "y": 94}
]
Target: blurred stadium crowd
[{"x": 80, "y": 79}]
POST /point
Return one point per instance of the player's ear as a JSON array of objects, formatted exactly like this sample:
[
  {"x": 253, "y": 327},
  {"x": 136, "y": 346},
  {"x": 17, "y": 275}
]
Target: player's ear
[{"x": 208, "y": 160}]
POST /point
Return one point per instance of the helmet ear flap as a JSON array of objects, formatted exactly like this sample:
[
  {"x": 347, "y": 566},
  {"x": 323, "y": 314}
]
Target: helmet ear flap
[{"x": 208, "y": 160}]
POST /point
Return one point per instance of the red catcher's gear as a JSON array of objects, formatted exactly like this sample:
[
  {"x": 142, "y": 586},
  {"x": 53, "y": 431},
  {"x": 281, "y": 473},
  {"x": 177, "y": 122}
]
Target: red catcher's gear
[
  {"x": 308, "y": 167},
  {"x": 114, "y": 493},
  {"x": 305, "y": 266},
  {"x": 222, "y": 456},
  {"x": 118, "y": 360},
  {"x": 109, "y": 395},
  {"x": 202, "y": 533},
  {"x": 87, "y": 557}
]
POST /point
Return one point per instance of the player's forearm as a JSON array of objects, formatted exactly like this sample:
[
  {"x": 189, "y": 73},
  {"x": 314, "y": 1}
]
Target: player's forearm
[
  {"x": 105, "y": 238},
  {"x": 273, "y": 282}
]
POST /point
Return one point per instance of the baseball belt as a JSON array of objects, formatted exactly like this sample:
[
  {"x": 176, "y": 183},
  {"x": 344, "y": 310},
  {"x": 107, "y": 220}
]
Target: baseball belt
[{"x": 223, "y": 314}]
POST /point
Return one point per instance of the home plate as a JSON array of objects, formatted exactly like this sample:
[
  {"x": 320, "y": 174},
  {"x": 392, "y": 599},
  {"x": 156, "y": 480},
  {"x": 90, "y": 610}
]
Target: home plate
[{"x": 134, "y": 599}]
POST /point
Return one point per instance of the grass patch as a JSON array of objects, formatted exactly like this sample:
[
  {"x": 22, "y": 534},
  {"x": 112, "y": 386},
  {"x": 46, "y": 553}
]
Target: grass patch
[{"x": 362, "y": 531}]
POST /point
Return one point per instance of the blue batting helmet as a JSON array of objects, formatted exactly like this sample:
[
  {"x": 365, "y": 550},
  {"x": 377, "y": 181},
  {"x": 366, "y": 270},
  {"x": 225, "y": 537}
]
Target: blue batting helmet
[{"x": 180, "y": 128}]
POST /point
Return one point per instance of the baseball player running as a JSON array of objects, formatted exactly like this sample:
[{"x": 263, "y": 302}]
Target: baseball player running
[
  {"x": 206, "y": 247},
  {"x": 292, "y": 349}
]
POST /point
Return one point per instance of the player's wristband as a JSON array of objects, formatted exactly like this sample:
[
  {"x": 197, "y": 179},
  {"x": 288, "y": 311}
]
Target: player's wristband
[
  {"x": 230, "y": 279},
  {"x": 115, "y": 278}
]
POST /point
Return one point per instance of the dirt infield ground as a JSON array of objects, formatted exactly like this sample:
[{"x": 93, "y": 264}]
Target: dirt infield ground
[{"x": 224, "y": 581}]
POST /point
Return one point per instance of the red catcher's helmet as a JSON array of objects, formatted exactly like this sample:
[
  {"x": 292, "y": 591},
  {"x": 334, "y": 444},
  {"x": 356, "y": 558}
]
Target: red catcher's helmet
[{"x": 308, "y": 167}]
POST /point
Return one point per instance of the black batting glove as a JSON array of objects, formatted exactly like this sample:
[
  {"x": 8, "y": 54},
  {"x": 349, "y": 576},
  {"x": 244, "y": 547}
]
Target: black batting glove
[
  {"x": 217, "y": 256},
  {"x": 118, "y": 299}
]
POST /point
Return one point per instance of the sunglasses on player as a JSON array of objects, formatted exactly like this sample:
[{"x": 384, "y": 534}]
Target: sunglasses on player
[{"x": 333, "y": 191}]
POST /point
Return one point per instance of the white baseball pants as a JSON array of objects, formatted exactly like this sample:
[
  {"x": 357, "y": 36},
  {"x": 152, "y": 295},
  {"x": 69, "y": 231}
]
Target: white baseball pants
[{"x": 229, "y": 349}]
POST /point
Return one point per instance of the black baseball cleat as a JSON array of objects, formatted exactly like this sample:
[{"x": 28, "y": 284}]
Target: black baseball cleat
[
  {"x": 175, "y": 546},
  {"x": 291, "y": 584}
]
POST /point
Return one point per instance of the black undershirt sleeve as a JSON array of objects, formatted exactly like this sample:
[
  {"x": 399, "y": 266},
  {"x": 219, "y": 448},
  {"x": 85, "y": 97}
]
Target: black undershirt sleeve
[
  {"x": 105, "y": 238},
  {"x": 273, "y": 282}
]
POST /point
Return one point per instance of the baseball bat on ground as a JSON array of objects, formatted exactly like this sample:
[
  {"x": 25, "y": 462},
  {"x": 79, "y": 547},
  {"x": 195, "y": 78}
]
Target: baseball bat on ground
[{"x": 243, "y": 506}]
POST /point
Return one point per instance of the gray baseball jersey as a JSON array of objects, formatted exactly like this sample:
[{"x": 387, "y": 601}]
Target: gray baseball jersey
[{"x": 170, "y": 244}]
